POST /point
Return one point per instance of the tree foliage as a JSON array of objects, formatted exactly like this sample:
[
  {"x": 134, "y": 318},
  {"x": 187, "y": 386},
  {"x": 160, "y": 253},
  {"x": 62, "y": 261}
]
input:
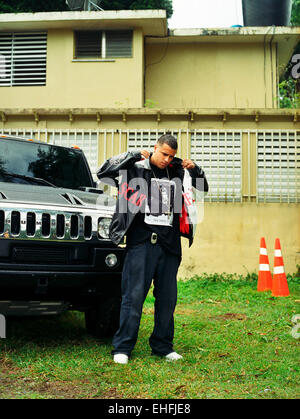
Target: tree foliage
[
  {"x": 289, "y": 88},
  {"x": 295, "y": 18},
  {"x": 138, "y": 5},
  {"x": 18, "y": 6}
]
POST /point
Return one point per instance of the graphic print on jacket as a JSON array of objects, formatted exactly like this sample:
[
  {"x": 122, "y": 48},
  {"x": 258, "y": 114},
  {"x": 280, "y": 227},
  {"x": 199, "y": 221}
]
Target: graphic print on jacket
[
  {"x": 134, "y": 174},
  {"x": 134, "y": 196},
  {"x": 160, "y": 203}
]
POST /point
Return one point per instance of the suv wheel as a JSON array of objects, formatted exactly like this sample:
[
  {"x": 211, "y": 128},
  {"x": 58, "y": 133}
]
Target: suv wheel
[{"x": 103, "y": 319}]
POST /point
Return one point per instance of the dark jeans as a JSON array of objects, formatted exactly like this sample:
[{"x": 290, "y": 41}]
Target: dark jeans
[{"x": 143, "y": 263}]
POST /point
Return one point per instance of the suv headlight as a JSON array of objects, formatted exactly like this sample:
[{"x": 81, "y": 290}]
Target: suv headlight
[
  {"x": 103, "y": 227},
  {"x": 111, "y": 260}
]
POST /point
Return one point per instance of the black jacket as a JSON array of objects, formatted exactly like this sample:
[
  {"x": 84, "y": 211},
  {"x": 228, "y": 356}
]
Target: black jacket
[{"x": 135, "y": 179}]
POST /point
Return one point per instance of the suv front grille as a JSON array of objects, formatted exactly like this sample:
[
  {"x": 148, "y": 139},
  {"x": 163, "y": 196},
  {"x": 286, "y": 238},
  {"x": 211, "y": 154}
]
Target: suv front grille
[
  {"x": 60, "y": 225},
  {"x": 15, "y": 223},
  {"x": 30, "y": 224},
  {"x": 40, "y": 255},
  {"x": 2, "y": 219},
  {"x": 48, "y": 225}
]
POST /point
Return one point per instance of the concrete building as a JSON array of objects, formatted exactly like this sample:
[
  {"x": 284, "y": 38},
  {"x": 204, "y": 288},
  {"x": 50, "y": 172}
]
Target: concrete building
[{"x": 116, "y": 80}]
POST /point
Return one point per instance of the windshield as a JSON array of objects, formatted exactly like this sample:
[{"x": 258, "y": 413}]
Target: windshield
[{"x": 63, "y": 167}]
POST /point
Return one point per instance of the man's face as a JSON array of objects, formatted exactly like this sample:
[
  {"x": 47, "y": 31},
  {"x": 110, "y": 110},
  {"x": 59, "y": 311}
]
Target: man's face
[{"x": 162, "y": 156}]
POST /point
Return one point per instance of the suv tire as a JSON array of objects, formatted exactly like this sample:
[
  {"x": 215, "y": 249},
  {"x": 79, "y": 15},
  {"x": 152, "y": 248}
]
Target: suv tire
[{"x": 103, "y": 319}]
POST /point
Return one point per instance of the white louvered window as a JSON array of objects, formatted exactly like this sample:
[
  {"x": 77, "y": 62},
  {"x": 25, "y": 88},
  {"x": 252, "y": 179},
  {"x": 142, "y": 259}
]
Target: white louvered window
[
  {"x": 219, "y": 153},
  {"x": 23, "y": 59},
  {"x": 103, "y": 44},
  {"x": 278, "y": 166}
]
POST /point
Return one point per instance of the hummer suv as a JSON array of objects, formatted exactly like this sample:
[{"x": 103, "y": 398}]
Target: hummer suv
[{"x": 55, "y": 253}]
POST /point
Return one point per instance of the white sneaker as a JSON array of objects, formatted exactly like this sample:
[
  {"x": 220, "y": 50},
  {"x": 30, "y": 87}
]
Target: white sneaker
[
  {"x": 121, "y": 359},
  {"x": 173, "y": 356}
]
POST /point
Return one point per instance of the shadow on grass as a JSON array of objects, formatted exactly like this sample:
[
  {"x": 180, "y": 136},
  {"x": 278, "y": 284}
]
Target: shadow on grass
[{"x": 66, "y": 328}]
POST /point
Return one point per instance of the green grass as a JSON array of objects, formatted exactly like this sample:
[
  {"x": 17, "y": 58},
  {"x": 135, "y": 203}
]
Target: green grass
[{"x": 236, "y": 343}]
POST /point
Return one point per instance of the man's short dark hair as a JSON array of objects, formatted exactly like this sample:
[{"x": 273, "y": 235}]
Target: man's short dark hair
[{"x": 168, "y": 139}]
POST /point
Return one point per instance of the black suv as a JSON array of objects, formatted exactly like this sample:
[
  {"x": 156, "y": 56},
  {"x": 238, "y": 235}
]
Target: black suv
[{"x": 55, "y": 253}]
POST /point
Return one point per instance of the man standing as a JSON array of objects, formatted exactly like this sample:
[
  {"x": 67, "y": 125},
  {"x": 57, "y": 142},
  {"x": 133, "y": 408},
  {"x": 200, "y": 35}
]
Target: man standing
[{"x": 146, "y": 212}]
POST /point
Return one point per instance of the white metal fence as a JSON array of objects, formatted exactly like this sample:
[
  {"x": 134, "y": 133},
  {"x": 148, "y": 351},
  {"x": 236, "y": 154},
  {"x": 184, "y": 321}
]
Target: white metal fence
[
  {"x": 219, "y": 152},
  {"x": 146, "y": 139},
  {"x": 220, "y": 155},
  {"x": 278, "y": 166}
]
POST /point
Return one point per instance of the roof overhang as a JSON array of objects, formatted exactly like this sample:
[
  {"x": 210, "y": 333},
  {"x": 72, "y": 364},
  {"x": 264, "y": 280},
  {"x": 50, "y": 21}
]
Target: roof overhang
[
  {"x": 152, "y": 22},
  {"x": 286, "y": 38}
]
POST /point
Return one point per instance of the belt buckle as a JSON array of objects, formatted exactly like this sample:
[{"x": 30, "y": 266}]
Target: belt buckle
[{"x": 153, "y": 238}]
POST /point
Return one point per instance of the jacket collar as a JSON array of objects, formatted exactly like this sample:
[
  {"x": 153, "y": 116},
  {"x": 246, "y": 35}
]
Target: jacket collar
[{"x": 146, "y": 162}]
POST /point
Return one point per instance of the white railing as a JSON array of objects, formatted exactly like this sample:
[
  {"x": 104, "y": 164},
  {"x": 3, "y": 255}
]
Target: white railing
[{"x": 276, "y": 164}]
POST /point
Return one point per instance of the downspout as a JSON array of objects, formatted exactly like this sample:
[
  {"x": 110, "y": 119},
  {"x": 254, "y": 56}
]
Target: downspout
[
  {"x": 144, "y": 75},
  {"x": 272, "y": 72},
  {"x": 271, "y": 64},
  {"x": 145, "y": 66},
  {"x": 265, "y": 80}
]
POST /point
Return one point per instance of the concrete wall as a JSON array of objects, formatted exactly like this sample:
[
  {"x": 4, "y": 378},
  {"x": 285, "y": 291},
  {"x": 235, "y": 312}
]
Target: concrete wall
[
  {"x": 181, "y": 75},
  {"x": 75, "y": 84},
  {"x": 228, "y": 239},
  {"x": 199, "y": 75}
]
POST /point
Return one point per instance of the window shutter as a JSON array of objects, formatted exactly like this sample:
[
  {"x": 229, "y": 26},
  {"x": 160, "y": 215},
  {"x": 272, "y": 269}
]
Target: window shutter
[
  {"x": 5, "y": 59},
  {"x": 118, "y": 44},
  {"x": 23, "y": 59},
  {"x": 88, "y": 44}
]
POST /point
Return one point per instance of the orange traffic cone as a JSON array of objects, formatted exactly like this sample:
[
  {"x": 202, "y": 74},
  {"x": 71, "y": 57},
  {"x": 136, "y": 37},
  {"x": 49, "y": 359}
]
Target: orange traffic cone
[
  {"x": 280, "y": 286},
  {"x": 264, "y": 282}
]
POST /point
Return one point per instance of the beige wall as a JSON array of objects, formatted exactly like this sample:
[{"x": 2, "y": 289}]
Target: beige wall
[
  {"x": 228, "y": 239},
  {"x": 82, "y": 84},
  {"x": 189, "y": 75},
  {"x": 198, "y": 75}
]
